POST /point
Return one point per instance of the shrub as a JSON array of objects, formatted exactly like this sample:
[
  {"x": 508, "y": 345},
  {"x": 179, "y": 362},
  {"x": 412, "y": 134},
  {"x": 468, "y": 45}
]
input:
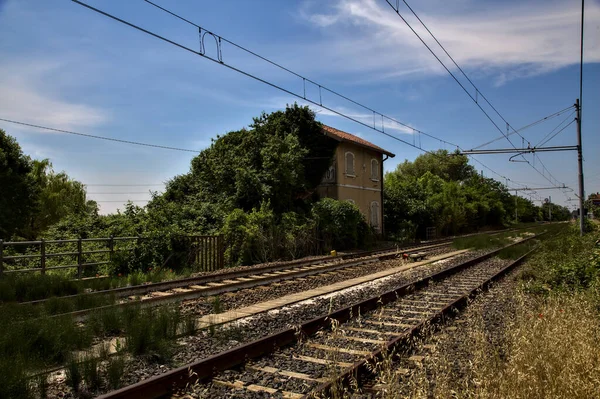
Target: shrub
[{"x": 340, "y": 225}]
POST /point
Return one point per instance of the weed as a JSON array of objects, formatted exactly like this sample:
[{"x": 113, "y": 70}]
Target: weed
[
  {"x": 91, "y": 374},
  {"x": 13, "y": 379},
  {"x": 74, "y": 374},
  {"x": 217, "y": 305},
  {"x": 114, "y": 371},
  {"x": 189, "y": 324},
  {"x": 150, "y": 331}
]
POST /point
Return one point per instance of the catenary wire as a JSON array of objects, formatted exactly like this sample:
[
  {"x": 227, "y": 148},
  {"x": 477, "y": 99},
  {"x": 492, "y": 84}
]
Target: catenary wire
[
  {"x": 282, "y": 88},
  {"x": 544, "y": 119},
  {"x": 320, "y": 104},
  {"x": 555, "y": 134},
  {"x": 397, "y": 10}
]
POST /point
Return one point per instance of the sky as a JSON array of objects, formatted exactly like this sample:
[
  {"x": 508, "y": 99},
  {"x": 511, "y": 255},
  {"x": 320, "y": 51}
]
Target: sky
[{"x": 66, "y": 67}]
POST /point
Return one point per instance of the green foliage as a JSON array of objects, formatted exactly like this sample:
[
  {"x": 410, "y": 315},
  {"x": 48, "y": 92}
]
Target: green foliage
[
  {"x": 565, "y": 262},
  {"x": 280, "y": 159},
  {"x": 58, "y": 196},
  {"x": 149, "y": 332},
  {"x": 74, "y": 373},
  {"x": 340, "y": 225},
  {"x": 30, "y": 287},
  {"x": 114, "y": 371},
  {"x": 13, "y": 379},
  {"x": 91, "y": 372},
  {"x": 261, "y": 236},
  {"x": 17, "y": 188},
  {"x": 442, "y": 190}
]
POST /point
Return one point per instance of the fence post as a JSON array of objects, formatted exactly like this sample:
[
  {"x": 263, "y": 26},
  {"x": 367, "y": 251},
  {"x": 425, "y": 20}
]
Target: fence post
[
  {"x": 221, "y": 252},
  {"x": 43, "y": 255},
  {"x": 79, "y": 258},
  {"x": 1, "y": 257},
  {"x": 111, "y": 248}
]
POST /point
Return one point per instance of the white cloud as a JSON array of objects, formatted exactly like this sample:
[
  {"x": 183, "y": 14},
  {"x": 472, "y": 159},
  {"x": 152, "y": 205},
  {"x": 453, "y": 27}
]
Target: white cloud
[
  {"x": 29, "y": 95},
  {"x": 504, "y": 40}
]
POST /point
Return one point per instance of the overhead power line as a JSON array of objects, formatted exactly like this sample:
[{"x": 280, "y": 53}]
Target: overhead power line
[
  {"x": 124, "y": 185},
  {"x": 478, "y": 92},
  {"x": 133, "y": 192},
  {"x": 555, "y": 134},
  {"x": 219, "y": 59},
  {"x": 98, "y": 137},
  {"x": 124, "y": 201},
  {"x": 379, "y": 121},
  {"x": 544, "y": 119}
]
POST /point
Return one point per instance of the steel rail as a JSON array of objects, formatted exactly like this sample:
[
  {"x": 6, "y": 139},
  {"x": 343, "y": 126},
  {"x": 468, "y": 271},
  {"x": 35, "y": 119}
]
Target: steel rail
[
  {"x": 406, "y": 340},
  {"x": 80, "y": 315},
  {"x": 202, "y": 370},
  {"x": 144, "y": 289}
]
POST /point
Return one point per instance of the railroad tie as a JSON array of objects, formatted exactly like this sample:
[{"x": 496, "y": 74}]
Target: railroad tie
[
  {"x": 316, "y": 360},
  {"x": 342, "y": 350}
]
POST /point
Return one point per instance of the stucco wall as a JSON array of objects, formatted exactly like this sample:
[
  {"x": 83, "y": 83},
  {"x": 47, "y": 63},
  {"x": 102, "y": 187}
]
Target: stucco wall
[{"x": 359, "y": 187}]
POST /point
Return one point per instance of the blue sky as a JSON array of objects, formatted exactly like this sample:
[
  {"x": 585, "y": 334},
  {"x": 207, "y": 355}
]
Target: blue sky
[{"x": 66, "y": 67}]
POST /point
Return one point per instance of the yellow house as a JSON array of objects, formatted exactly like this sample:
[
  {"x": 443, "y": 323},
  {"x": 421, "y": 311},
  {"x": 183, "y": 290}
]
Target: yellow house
[{"x": 356, "y": 175}]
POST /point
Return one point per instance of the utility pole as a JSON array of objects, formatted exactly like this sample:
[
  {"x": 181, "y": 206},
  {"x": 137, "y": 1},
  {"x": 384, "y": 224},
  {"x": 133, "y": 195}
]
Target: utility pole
[
  {"x": 580, "y": 167},
  {"x": 550, "y": 207}
]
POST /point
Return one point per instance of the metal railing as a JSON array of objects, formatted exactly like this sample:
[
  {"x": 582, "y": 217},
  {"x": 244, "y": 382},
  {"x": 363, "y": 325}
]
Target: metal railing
[
  {"x": 208, "y": 252},
  {"x": 204, "y": 251},
  {"x": 80, "y": 257}
]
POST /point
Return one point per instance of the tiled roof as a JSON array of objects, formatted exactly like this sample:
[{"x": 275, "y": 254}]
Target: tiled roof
[{"x": 343, "y": 136}]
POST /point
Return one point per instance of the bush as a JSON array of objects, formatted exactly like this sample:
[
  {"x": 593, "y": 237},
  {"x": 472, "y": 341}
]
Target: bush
[
  {"x": 565, "y": 262},
  {"x": 340, "y": 225}
]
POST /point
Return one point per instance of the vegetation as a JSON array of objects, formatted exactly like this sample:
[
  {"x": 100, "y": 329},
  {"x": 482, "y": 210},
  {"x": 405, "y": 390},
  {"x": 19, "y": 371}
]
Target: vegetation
[
  {"x": 543, "y": 345},
  {"x": 442, "y": 190}
]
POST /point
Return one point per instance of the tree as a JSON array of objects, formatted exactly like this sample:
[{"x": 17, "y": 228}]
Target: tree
[
  {"x": 17, "y": 187},
  {"x": 279, "y": 160},
  {"x": 57, "y": 197}
]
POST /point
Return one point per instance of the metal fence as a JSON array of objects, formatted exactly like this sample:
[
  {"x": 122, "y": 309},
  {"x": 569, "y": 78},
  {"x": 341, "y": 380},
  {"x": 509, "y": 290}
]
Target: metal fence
[
  {"x": 205, "y": 252},
  {"x": 208, "y": 252},
  {"x": 80, "y": 258}
]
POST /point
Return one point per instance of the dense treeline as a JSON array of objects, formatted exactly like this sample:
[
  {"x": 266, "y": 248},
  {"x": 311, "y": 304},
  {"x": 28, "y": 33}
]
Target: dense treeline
[
  {"x": 256, "y": 187},
  {"x": 32, "y": 196},
  {"x": 442, "y": 190}
]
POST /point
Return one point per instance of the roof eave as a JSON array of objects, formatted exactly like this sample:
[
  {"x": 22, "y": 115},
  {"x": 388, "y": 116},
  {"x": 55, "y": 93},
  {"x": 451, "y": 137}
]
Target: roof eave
[{"x": 337, "y": 138}]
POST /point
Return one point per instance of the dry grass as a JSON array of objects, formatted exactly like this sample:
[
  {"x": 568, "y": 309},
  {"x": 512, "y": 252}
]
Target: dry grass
[
  {"x": 550, "y": 349},
  {"x": 552, "y": 353}
]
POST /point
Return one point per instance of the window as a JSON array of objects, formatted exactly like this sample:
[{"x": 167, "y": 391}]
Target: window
[
  {"x": 374, "y": 169},
  {"x": 330, "y": 175},
  {"x": 375, "y": 214},
  {"x": 350, "y": 164}
]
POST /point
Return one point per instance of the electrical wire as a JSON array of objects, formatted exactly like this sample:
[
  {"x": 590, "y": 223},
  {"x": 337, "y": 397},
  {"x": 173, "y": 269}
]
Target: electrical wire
[
  {"x": 546, "y": 118},
  {"x": 123, "y": 185},
  {"x": 122, "y": 202},
  {"x": 133, "y": 192},
  {"x": 98, "y": 137},
  {"x": 321, "y": 87},
  {"x": 477, "y": 91},
  {"x": 219, "y": 60},
  {"x": 555, "y": 134}
]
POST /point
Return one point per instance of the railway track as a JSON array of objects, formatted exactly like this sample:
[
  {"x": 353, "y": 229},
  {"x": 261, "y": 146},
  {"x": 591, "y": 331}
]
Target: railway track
[
  {"x": 327, "y": 352},
  {"x": 222, "y": 276},
  {"x": 203, "y": 286}
]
